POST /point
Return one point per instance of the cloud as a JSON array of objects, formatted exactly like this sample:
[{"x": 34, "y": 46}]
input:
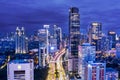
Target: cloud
[{"x": 35, "y": 13}]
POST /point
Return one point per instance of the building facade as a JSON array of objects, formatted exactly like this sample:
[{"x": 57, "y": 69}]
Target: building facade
[
  {"x": 118, "y": 50},
  {"x": 86, "y": 54},
  {"x": 111, "y": 74},
  {"x": 20, "y": 70},
  {"x": 58, "y": 35},
  {"x": 112, "y": 39},
  {"x": 74, "y": 37},
  {"x": 95, "y": 71},
  {"x": 95, "y": 35},
  {"x": 20, "y": 41}
]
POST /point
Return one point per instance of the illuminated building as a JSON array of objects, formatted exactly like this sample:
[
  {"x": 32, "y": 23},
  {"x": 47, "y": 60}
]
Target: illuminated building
[
  {"x": 83, "y": 38},
  {"x": 95, "y": 35},
  {"x": 53, "y": 47},
  {"x": 112, "y": 53},
  {"x": 58, "y": 35},
  {"x": 112, "y": 39},
  {"x": 111, "y": 74},
  {"x": 42, "y": 55},
  {"x": 21, "y": 41},
  {"x": 42, "y": 36},
  {"x": 118, "y": 50},
  {"x": 7, "y": 46},
  {"x": 86, "y": 54},
  {"x": 95, "y": 71},
  {"x": 20, "y": 70},
  {"x": 42, "y": 47},
  {"x": 47, "y": 40},
  {"x": 105, "y": 43},
  {"x": 44, "y": 40},
  {"x": 74, "y": 37}
]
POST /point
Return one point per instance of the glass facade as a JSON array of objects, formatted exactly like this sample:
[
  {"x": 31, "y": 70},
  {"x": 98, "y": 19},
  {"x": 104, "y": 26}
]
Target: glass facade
[
  {"x": 112, "y": 39},
  {"x": 74, "y": 30},
  {"x": 96, "y": 35}
]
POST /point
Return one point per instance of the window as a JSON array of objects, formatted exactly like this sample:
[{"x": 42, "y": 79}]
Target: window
[{"x": 19, "y": 75}]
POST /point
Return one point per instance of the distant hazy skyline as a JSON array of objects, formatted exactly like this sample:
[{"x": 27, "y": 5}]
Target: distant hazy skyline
[{"x": 32, "y": 14}]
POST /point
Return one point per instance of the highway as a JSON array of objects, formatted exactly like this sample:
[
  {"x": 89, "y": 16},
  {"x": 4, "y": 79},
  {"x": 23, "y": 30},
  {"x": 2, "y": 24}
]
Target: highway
[
  {"x": 5, "y": 64},
  {"x": 56, "y": 70}
]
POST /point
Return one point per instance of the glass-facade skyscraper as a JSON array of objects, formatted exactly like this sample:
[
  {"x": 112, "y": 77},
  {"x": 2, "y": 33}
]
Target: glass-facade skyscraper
[
  {"x": 95, "y": 35},
  {"x": 112, "y": 39},
  {"x": 74, "y": 30},
  {"x": 74, "y": 37},
  {"x": 21, "y": 41}
]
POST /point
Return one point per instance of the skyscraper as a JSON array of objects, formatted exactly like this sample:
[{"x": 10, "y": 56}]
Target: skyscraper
[
  {"x": 21, "y": 41},
  {"x": 44, "y": 40},
  {"x": 42, "y": 47},
  {"x": 20, "y": 70},
  {"x": 105, "y": 43},
  {"x": 95, "y": 35},
  {"x": 86, "y": 54},
  {"x": 74, "y": 37},
  {"x": 112, "y": 39},
  {"x": 118, "y": 50},
  {"x": 58, "y": 35},
  {"x": 42, "y": 53}
]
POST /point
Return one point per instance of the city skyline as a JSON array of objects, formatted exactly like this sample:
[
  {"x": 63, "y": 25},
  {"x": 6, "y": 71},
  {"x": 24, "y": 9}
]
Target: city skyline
[
  {"x": 34, "y": 14},
  {"x": 49, "y": 54}
]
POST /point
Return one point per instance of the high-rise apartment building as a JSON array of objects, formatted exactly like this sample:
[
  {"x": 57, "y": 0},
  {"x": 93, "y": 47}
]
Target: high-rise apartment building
[
  {"x": 86, "y": 54},
  {"x": 95, "y": 71},
  {"x": 20, "y": 70}
]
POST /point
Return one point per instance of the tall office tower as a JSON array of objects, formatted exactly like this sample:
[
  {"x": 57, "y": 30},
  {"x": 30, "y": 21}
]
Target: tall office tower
[
  {"x": 74, "y": 37},
  {"x": 17, "y": 40},
  {"x": 95, "y": 35},
  {"x": 112, "y": 39},
  {"x": 44, "y": 40},
  {"x": 47, "y": 40},
  {"x": 105, "y": 43},
  {"x": 42, "y": 53},
  {"x": 42, "y": 47},
  {"x": 21, "y": 41},
  {"x": 90, "y": 35},
  {"x": 20, "y": 70},
  {"x": 58, "y": 35},
  {"x": 86, "y": 54},
  {"x": 95, "y": 71}
]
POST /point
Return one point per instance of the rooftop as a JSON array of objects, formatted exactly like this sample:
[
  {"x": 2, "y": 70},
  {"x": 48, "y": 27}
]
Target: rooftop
[
  {"x": 21, "y": 61},
  {"x": 111, "y": 70}
]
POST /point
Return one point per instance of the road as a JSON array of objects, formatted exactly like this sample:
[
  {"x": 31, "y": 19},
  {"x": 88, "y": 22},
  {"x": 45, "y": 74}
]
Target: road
[
  {"x": 56, "y": 70},
  {"x": 51, "y": 72},
  {"x": 5, "y": 64}
]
